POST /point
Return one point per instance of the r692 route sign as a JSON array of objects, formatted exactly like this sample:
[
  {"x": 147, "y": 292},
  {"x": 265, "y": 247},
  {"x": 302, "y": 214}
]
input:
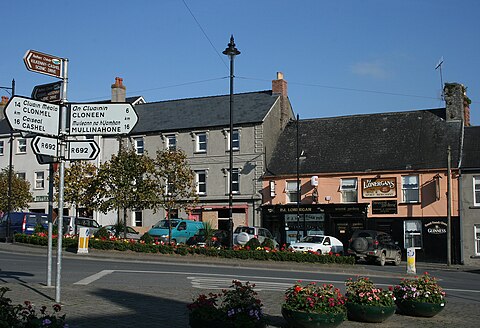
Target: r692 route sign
[{"x": 78, "y": 150}]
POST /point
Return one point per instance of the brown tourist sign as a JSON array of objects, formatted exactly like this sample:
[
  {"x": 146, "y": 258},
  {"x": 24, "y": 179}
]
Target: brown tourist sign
[{"x": 43, "y": 63}]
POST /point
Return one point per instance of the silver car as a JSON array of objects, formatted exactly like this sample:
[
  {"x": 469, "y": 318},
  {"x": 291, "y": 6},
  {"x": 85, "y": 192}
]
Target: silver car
[{"x": 243, "y": 234}]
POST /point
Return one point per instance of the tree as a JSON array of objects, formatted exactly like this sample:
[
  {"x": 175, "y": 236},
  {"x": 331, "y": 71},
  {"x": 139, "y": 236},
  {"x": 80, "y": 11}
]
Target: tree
[
  {"x": 121, "y": 183},
  {"x": 78, "y": 190},
  {"x": 174, "y": 181},
  {"x": 20, "y": 192}
]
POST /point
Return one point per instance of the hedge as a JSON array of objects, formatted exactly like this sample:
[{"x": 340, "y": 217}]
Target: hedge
[{"x": 259, "y": 254}]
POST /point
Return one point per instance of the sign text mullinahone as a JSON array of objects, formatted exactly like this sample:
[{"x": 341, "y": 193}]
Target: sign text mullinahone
[{"x": 81, "y": 124}]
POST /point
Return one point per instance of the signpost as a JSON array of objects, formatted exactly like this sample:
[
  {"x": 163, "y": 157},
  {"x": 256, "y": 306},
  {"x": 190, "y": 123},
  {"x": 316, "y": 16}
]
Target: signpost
[
  {"x": 43, "y": 63},
  {"x": 102, "y": 119},
  {"x": 81, "y": 150},
  {"x": 47, "y": 92},
  {"x": 45, "y": 146},
  {"x": 28, "y": 115}
]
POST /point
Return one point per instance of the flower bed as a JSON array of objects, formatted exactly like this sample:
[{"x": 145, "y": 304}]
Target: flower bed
[{"x": 244, "y": 253}]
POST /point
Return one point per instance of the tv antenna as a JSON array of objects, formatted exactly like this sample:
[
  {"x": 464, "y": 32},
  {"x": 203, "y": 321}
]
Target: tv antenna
[{"x": 439, "y": 66}]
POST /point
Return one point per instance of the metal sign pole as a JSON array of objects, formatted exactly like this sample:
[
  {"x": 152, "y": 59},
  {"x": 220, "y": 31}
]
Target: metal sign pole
[
  {"x": 63, "y": 128},
  {"x": 50, "y": 225}
]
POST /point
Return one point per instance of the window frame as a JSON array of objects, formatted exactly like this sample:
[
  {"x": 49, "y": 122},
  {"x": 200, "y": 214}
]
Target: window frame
[
  {"x": 198, "y": 143},
  {"x": 409, "y": 235},
  {"x": 136, "y": 219},
  {"x": 139, "y": 149},
  {"x": 405, "y": 189},
  {"x": 476, "y": 239},
  {"x": 234, "y": 140},
  {"x": 198, "y": 183},
  {"x": 345, "y": 189},
  {"x": 234, "y": 181},
  {"x": 21, "y": 175},
  {"x": 21, "y": 146},
  {"x": 2, "y": 147},
  {"x": 39, "y": 177},
  {"x": 168, "y": 144},
  {"x": 476, "y": 190},
  {"x": 292, "y": 194}
]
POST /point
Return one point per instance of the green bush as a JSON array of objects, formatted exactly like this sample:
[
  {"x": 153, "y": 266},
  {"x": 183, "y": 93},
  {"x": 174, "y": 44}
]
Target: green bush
[
  {"x": 147, "y": 238},
  {"x": 268, "y": 243},
  {"x": 39, "y": 228},
  {"x": 102, "y": 233},
  {"x": 253, "y": 243}
]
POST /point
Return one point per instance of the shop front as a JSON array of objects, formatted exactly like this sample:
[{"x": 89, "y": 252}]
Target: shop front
[{"x": 289, "y": 223}]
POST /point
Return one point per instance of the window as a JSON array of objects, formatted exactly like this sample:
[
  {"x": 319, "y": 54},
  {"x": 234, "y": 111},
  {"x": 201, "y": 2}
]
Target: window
[
  {"x": 235, "y": 181},
  {"x": 235, "y": 140},
  {"x": 2, "y": 147},
  {"x": 412, "y": 233},
  {"x": 476, "y": 231},
  {"x": 292, "y": 192},
  {"x": 39, "y": 180},
  {"x": 22, "y": 175},
  {"x": 476, "y": 190},
  {"x": 201, "y": 182},
  {"x": 410, "y": 189},
  {"x": 138, "y": 219},
  {"x": 168, "y": 187},
  {"x": 139, "y": 146},
  {"x": 201, "y": 142},
  {"x": 171, "y": 142},
  {"x": 348, "y": 188},
  {"x": 21, "y": 146}
]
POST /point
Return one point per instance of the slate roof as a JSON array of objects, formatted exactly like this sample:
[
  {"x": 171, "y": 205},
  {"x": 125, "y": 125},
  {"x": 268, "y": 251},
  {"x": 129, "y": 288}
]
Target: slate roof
[
  {"x": 409, "y": 140},
  {"x": 471, "y": 148},
  {"x": 205, "y": 112}
]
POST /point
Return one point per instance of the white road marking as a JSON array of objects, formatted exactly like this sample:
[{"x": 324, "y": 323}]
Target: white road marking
[
  {"x": 220, "y": 281},
  {"x": 88, "y": 280}
]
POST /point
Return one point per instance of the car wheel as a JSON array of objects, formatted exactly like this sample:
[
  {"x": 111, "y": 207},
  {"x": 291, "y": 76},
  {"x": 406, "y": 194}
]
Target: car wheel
[
  {"x": 174, "y": 241},
  {"x": 398, "y": 259},
  {"x": 319, "y": 251},
  {"x": 382, "y": 259}
]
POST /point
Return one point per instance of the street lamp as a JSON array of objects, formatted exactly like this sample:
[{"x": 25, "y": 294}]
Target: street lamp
[
  {"x": 10, "y": 171},
  {"x": 299, "y": 156},
  {"x": 231, "y": 52}
]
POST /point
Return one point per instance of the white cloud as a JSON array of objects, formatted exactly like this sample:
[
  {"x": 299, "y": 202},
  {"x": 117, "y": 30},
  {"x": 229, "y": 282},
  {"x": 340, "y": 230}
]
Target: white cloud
[{"x": 373, "y": 69}]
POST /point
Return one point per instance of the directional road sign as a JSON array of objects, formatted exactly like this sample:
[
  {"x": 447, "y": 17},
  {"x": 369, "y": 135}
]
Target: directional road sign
[
  {"x": 82, "y": 150},
  {"x": 43, "y": 63},
  {"x": 42, "y": 159},
  {"x": 45, "y": 146},
  {"x": 102, "y": 119},
  {"x": 28, "y": 115},
  {"x": 47, "y": 92}
]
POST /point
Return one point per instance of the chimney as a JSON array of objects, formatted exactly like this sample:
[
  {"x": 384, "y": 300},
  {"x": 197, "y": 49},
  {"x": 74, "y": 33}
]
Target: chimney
[
  {"x": 118, "y": 90},
  {"x": 279, "y": 87},
  {"x": 457, "y": 103},
  {"x": 3, "y": 103}
]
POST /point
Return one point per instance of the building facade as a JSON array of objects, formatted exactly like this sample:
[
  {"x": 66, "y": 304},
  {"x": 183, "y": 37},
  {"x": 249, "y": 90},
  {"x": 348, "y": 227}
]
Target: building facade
[{"x": 386, "y": 171}]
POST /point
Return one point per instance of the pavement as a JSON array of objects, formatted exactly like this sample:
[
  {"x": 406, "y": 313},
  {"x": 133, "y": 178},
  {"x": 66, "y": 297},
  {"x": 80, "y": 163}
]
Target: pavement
[{"x": 94, "y": 306}]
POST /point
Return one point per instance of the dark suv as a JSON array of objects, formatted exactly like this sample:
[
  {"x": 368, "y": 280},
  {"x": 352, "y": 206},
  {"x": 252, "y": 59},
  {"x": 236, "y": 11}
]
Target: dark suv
[{"x": 375, "y": 247}]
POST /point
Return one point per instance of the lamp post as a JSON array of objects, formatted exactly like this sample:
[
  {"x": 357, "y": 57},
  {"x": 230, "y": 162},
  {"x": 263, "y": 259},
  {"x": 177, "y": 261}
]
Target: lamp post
[
  {"x": 231, "y": 52},
  {"x": 298, "y": 183},
  {"x": 10, "y": 170}
]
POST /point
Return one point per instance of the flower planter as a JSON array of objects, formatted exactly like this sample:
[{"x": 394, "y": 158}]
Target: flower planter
[
  {"x": 419, "y": 309},
  {"x": 300, "y": 319},
  {"x": 369, "y": 313}
]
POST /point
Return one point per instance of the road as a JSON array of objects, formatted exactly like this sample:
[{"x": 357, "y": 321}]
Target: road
[{"x": 126, "y": 289}]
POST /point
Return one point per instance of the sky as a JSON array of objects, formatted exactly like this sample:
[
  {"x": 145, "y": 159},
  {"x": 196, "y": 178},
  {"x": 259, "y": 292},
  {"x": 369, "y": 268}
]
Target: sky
[{"x": 342, "y": 57}]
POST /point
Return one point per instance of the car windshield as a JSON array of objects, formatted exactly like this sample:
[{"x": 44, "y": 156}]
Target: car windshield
[
  {"x": 164, "y": 224},
  {"x": 248, "y": 230},
  {"x": 313, "y": 239}
]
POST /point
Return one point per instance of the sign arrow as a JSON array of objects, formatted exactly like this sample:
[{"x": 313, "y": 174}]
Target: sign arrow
[
  {"x": 47, "y": 92},
  {"x": 82, "y": 150},
  {"x": 42, "y": 63},
  {"x": 45, "y": 146},
  {"x": 102, "y": 119},
  {"x": 28, "y": 115}
]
